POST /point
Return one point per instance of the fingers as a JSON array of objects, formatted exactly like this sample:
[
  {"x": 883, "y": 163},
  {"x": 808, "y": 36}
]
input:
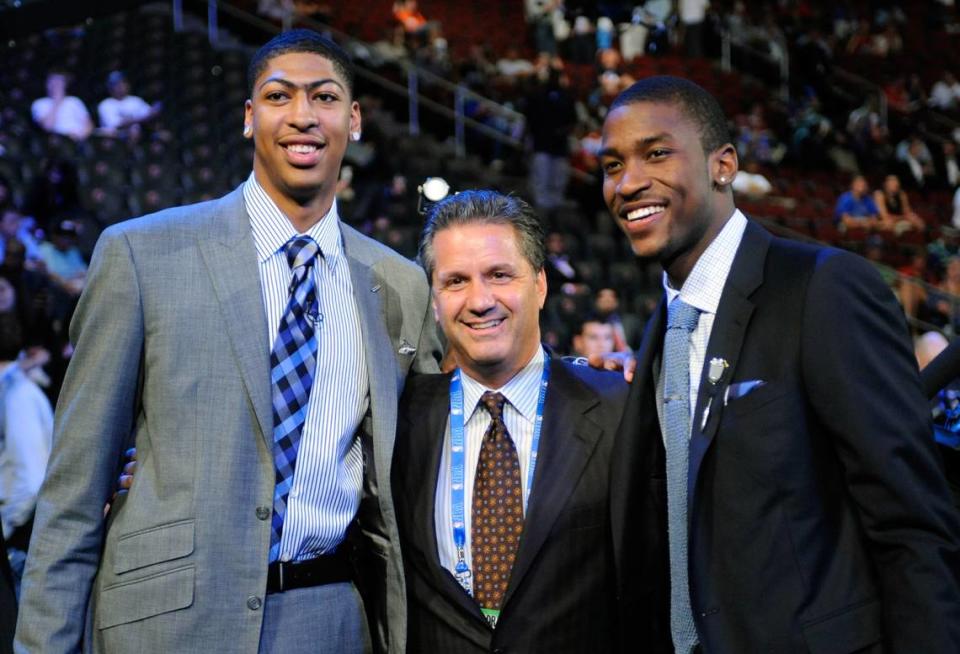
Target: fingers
[
  {"x": 131, "y": 454},
  {"x": 629, "y": 368}
]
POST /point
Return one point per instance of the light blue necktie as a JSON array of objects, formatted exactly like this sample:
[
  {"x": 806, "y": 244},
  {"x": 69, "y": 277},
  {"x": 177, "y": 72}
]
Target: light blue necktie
[
  {"x": 681, "y": 321},
  {"x": 292, "y": 364}
]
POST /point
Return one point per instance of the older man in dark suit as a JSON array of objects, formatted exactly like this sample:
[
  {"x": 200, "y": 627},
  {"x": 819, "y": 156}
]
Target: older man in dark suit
[{"x": 501, "y": 468}]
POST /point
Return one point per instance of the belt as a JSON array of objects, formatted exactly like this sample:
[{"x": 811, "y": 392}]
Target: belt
[{"x": 326, "y": 569}]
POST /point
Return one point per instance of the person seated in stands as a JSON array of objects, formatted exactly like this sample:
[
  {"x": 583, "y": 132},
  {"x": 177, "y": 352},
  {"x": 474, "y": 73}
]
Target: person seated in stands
[
  {"x": 947, "y": 166},
  {"x": 855, "y": 208},
  {"x": 512, "y": 66},
  {"x": 561, "y": 274},
  {"x": 59, "y": 113},
  {"x": 408, "y": 14},
  {"x": 594, "y": 337},
  {"x": 61, "y": 256},
  {"x": 916, "y": 163},
  {"x": 945, "y": 94},
  {"x": 123, "y": 114},
  {"x": 750, "y": 181},
  {"x": 627, "y": 328},
  {"x": 894, "y": 207},
  {"x": 944, "y": 299}
]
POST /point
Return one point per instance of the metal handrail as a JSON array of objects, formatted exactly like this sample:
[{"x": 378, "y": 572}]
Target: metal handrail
[{"x": 414, "y": 74}]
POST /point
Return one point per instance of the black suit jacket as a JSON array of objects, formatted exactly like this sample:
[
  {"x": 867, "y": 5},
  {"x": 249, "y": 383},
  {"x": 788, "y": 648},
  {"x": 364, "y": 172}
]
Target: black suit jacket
[
  {"x": 561, "y": 592},
  {"x": 8, "y": 602},
  {"x": 820, "y": 520}
]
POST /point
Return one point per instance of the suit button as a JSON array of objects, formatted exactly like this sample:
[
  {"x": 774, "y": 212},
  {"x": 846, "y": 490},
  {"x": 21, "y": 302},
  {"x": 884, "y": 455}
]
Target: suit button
[
  {"x": 254, "y": 603},
  {"x": 263, "y": 513}
]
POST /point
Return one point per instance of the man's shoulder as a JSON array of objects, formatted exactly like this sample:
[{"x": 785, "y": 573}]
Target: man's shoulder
[
  {"x": 374, "y": 252},
  {"x": 185, "y": 219},
  {"x": 607, "y": 385}
]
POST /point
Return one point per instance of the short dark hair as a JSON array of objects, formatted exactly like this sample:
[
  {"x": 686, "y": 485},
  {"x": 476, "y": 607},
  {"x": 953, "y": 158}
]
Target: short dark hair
[
  {"x": 484, "y": 207},
  {"x": 592, "y": 317},
  {"x": 301, "y": 40},
  {"x": 701, "y": 107}
]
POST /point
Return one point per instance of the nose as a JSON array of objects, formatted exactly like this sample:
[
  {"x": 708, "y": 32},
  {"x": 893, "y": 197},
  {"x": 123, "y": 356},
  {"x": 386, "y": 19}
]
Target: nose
[
  {"x": 480, "y": 299},
  {"x": 301, "y": 114},
  {"x": 633, "y": 180}
]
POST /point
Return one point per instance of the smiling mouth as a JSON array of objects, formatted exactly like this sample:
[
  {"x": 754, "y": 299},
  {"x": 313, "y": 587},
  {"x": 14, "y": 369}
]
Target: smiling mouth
[
  {"x": 302, "y": 148},
  {"x": 645, "y": 212},
  {"x": 486, "y": 325}
]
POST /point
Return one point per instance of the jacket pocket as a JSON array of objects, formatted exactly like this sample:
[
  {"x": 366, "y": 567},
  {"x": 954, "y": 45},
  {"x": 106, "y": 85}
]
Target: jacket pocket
[
  {"x": 146, "y": 597},
  {"x": 153, "y": 545},
  {"x": 853, "y": 629}
]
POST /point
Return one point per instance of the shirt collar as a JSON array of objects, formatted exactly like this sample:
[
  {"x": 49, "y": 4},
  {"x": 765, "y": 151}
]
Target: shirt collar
[
  {"x": 704, "y": 285},
  {"x": 272, "y": 229},
  {"x": 522, "y": 391}
]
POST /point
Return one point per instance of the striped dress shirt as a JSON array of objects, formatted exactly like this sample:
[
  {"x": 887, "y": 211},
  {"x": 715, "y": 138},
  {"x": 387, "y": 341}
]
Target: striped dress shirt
[
  {"x": 702, "y": 290},
  {"x": 519, "y": 415},
  {"x": 328, "y": 478}
]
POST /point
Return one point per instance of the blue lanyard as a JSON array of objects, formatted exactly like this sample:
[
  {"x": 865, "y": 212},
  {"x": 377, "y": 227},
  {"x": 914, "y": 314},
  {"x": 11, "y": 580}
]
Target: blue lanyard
[{"x": 458, "y": 465}]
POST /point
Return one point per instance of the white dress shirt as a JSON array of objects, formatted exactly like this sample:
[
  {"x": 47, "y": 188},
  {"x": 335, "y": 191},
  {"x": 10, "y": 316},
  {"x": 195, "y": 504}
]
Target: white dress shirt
[
  {"x": 702, "y": 290},
  {"x": 328, "y": 476},
  {"x": 519, "y": 415}
]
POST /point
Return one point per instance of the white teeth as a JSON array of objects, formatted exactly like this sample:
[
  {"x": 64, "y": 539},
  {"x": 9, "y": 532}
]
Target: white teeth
[
  {"x": 486, "y": 325},
  {"x": 302, "y": 148},
  {"x": 643, "y": 212}
]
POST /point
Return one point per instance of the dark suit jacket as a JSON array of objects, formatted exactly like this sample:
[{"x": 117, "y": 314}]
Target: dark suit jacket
[
  {"x": 820, "y": 520},
  {"x": 561, "y": 592}
]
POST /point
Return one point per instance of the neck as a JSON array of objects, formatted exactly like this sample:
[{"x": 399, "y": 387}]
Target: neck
[
  {"x": 680, "y": 266},
  {"x": 303, "y": 213},
  {"x": 495, "y": 377}
]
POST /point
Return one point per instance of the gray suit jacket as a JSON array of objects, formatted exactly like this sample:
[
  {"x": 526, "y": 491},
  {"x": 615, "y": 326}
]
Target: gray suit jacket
[{"x": 172, "y": 355}]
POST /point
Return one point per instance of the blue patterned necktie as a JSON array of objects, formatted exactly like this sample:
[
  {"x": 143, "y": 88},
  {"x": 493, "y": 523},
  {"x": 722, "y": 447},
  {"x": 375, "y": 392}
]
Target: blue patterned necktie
[
  {"x": 292, "y": 364},
  {"x": 681, "y": 321}
]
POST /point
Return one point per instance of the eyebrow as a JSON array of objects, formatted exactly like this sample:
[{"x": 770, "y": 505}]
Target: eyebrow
[
  {"x": 306, "y": 87},
  {"x": 640, "y": 144}
]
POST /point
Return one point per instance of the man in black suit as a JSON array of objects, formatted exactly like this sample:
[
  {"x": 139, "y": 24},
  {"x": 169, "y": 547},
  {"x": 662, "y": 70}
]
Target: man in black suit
[
  {"x": 813, "y": 513},
  {"x": 534, "y": 580}
]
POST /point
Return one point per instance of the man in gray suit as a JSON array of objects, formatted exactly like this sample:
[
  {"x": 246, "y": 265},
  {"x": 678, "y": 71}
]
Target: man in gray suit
[{"x": 252, "y": 348}]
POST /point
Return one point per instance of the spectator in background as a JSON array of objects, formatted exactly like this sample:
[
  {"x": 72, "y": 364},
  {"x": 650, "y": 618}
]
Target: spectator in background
[
  {"x": 539, "y": 15},
  {"x": 562, "y": 276},
  {"x": 945, "y": 93},
  {"x": 750, "y": 181},
  {"x": 855, "y": 208},
  {"x": 944, "y": 300},
  {"x": 626, "y": 328},
  {"x": 14, "y": 226},
  {"x": 947, "y": 166},
  {"x": 693, "y": 14},
  {"x": 512, "y": 66},
  {"x": 594, "y": 337},
  {"x": 894, "y": 207},
  {"x": 60, "y": 113},
  {"x": 927, "y": 346},
  {"x": 408, "y": 14},
  {"x": 64, "y": 263},
  {"x": 869, "y": 136},
  {"x": 123, "y": 114},
  {"x": 551, "y": 116},
  {"x": 916, "y": 163},
  {"x": 26, "y": 431}
]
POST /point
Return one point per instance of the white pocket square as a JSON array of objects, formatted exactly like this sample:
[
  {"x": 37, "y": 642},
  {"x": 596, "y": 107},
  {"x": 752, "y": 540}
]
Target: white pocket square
[{"x": 406, "y": 348}]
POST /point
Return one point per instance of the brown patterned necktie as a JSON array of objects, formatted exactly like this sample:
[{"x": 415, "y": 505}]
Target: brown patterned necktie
[{"x": 497, "y": 516}]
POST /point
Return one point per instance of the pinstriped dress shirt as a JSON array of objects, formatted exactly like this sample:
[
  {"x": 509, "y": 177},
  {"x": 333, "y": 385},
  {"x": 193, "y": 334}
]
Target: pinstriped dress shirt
[
  {"x": 519, "y": 415},
  {"x": 328, "y": 478}
]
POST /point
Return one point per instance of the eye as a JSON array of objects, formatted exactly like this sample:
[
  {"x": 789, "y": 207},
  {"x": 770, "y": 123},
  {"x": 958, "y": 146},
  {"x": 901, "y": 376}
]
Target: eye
[
  {"x": 324, "y": 96},
  {"x": 658, "y": 153},
  {"x": 275, "y": 96},
  {"x": 610, "y": 167}
]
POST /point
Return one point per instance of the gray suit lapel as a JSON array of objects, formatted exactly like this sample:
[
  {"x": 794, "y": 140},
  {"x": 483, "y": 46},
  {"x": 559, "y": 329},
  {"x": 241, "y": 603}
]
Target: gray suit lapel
[
  {"x": 231, "y": 259},
  {"x": 369, "y": 292}
]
